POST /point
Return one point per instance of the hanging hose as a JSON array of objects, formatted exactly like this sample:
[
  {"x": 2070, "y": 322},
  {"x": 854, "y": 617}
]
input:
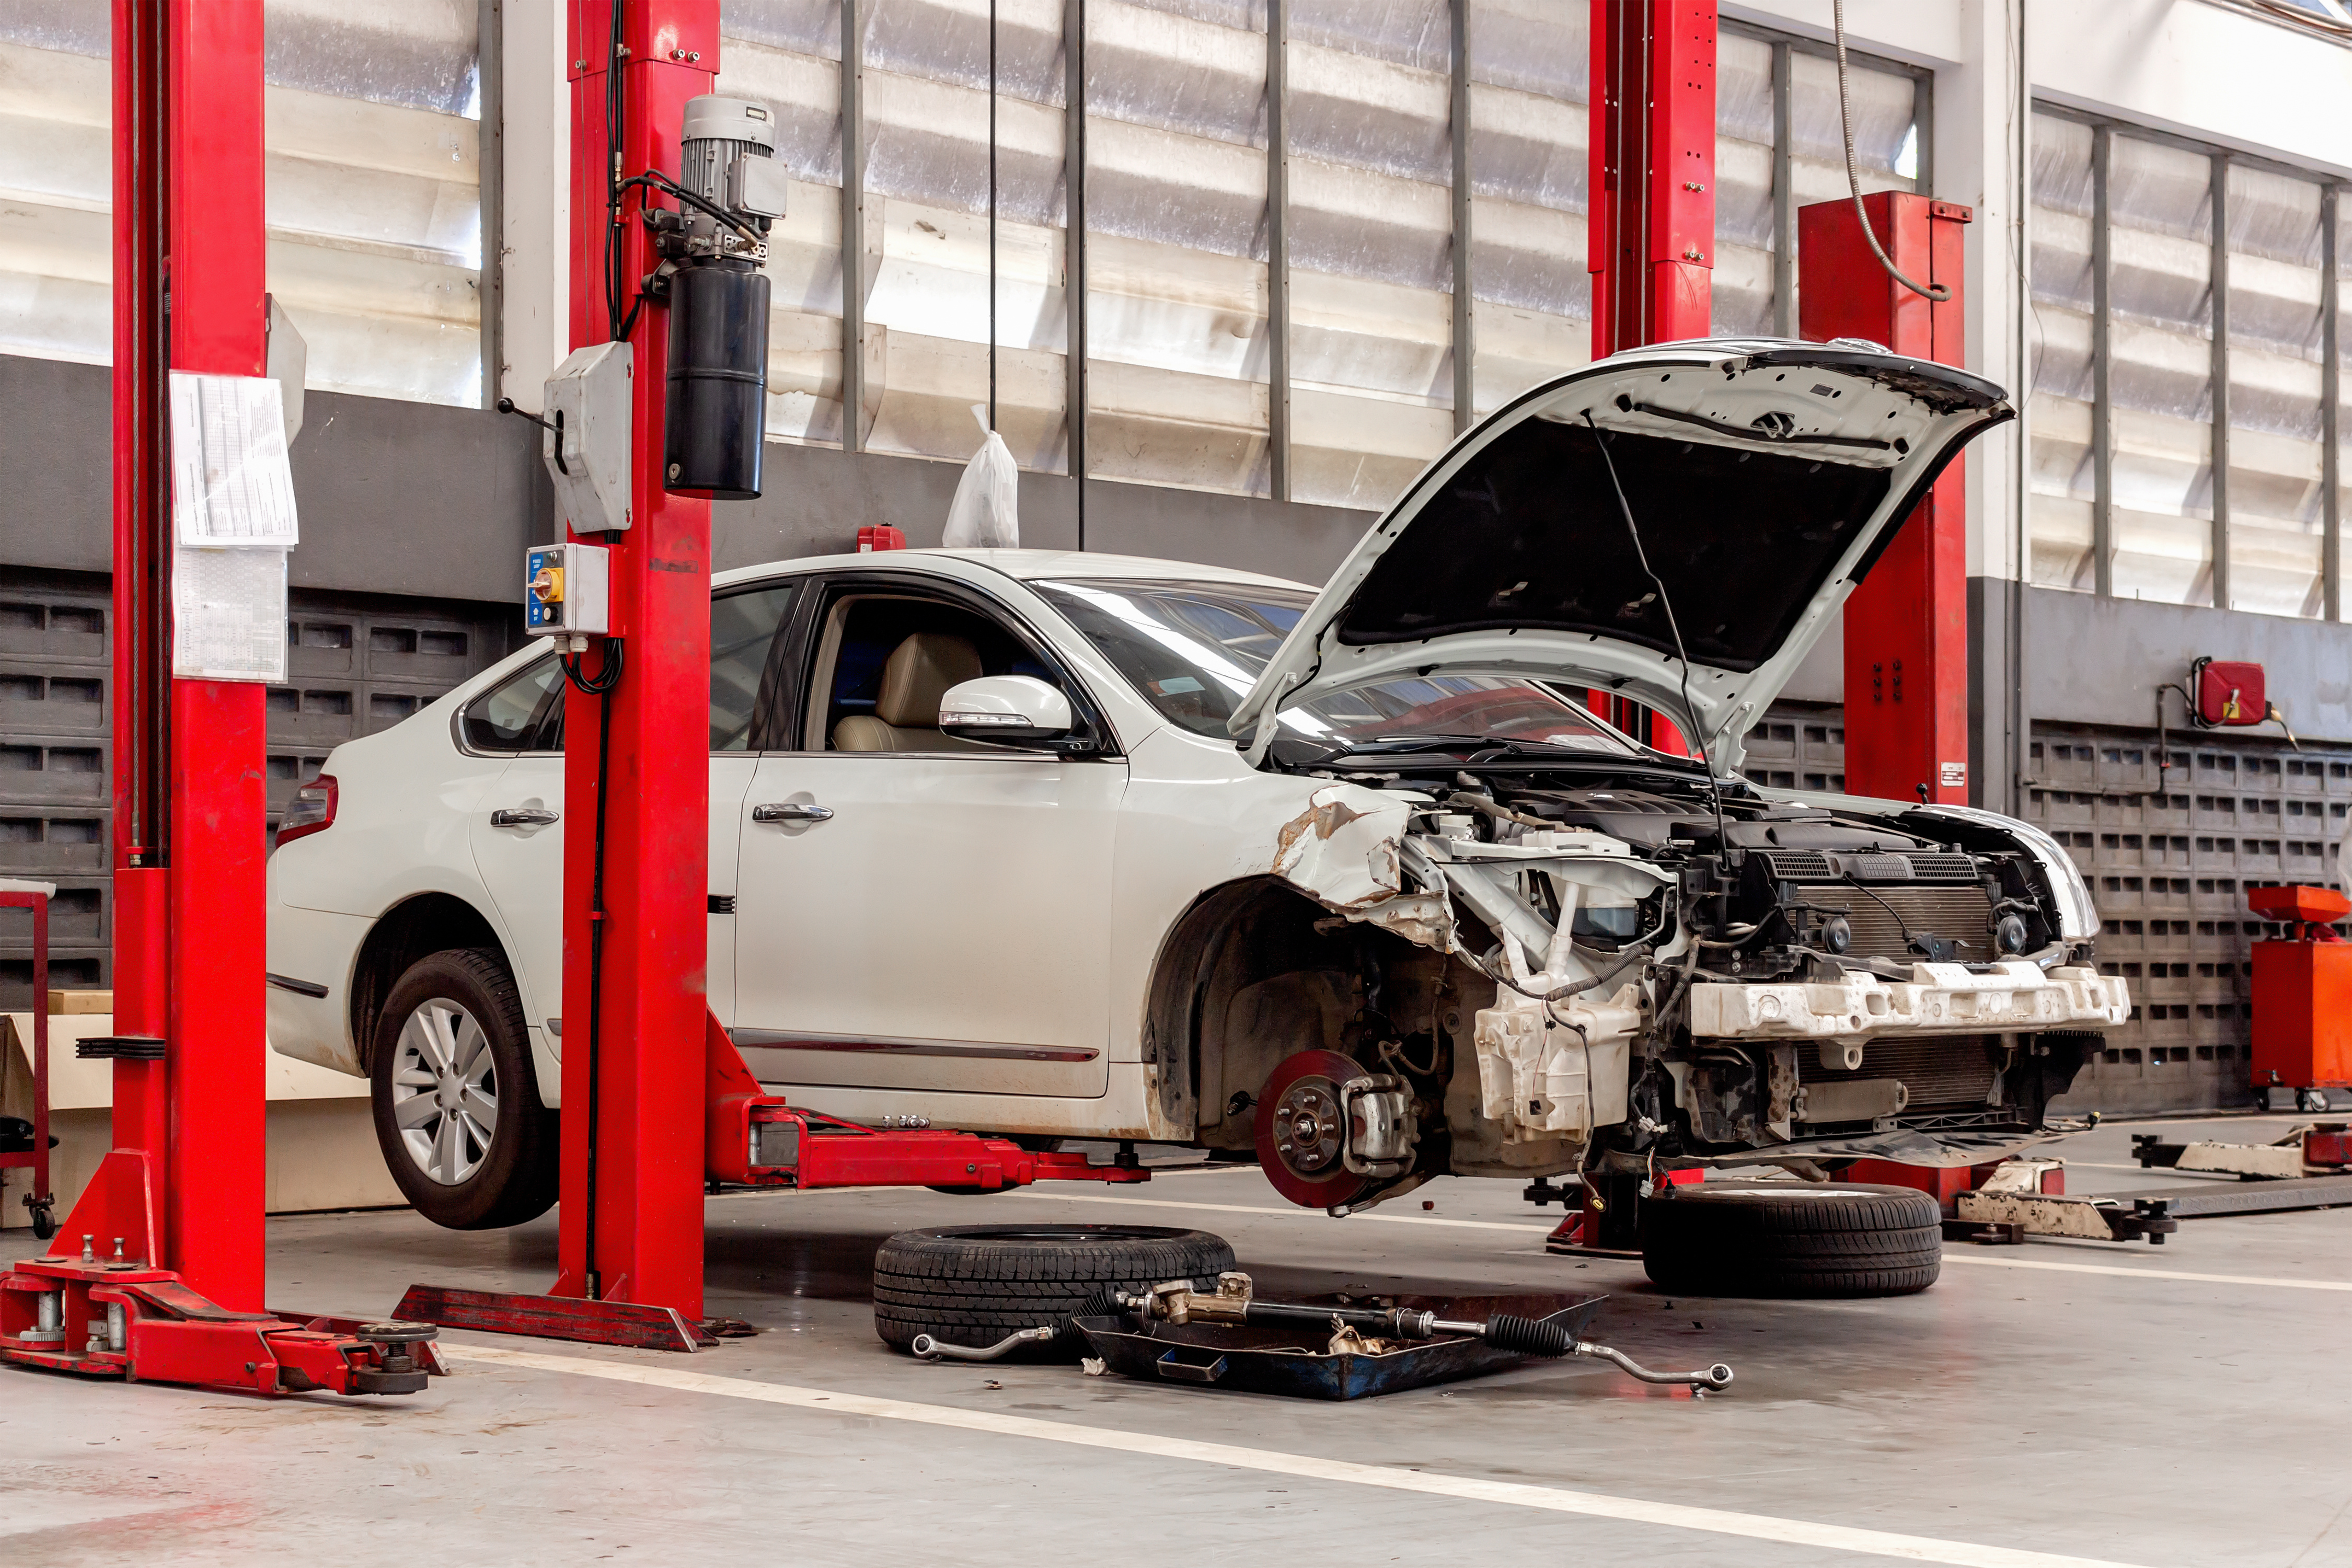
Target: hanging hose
[{"x": 1936, "y": 291}]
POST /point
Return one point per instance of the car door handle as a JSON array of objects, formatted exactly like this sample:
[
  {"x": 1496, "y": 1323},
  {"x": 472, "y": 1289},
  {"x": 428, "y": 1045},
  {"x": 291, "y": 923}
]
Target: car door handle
[
  {"x": 523, "y": 816},
  {"x": 791, "y": 811}
]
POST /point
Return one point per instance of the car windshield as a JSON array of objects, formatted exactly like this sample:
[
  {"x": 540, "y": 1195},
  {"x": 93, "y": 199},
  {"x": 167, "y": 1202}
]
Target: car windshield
[{"x": 1194, "y": 649}]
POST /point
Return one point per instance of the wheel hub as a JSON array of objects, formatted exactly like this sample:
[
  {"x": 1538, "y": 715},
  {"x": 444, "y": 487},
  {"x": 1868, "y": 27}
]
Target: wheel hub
[
  {"x": 1312, "y": 1127},
  {"x": 1302, "y": 1130},
  {"x": 444, "y": 1091}
]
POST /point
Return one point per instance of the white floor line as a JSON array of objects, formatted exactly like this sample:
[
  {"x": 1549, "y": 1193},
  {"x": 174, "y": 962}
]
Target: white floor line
[
  {"x": 1596, "y": 1505},
  {"x": 1954, "y": 1256},
  {"x": 1951, "y": 1254},
  {"x": 1523, "y": 1227}
]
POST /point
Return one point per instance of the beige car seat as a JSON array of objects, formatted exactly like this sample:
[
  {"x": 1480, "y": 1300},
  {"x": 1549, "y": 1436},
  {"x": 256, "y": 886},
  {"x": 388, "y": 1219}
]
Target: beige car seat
[{"x": 906, "y": 716}]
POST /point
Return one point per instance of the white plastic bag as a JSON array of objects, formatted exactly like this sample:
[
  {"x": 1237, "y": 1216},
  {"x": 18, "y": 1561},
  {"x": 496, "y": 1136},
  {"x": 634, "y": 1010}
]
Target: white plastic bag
[{"x": 986, "y": 513}]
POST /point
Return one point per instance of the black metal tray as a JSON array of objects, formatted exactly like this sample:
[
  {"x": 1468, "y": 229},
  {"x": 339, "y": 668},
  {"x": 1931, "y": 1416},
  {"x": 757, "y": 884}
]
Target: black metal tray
[{"x": 1292, "y": 1362}]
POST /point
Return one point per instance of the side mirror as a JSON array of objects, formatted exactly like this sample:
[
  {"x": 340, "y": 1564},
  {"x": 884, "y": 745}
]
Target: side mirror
[{"x": 1005, "y": 708}]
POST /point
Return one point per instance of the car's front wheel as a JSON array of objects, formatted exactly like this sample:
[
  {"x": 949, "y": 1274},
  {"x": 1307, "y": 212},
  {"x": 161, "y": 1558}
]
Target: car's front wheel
[{"x": 458, "y": 1111}]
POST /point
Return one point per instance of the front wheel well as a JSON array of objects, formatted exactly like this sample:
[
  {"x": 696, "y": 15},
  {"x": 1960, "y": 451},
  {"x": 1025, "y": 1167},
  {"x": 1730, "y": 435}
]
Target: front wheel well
[
  {"x": 409, "y": 930},
  {"x": 1256, "y": 971}
]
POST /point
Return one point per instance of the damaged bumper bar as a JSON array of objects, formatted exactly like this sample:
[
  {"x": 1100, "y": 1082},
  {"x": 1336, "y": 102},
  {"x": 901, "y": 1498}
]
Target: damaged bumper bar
[{"x": 1939, "y": 998}]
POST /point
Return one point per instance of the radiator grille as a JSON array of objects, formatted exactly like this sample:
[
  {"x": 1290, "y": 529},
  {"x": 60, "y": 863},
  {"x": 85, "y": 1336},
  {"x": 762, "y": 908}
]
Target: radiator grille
[
  {"x": 1943, "y": 1073},
  {"x": 1879, "y": 916}
]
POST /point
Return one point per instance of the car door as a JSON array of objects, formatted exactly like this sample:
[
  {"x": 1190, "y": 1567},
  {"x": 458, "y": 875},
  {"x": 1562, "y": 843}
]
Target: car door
[
  {"x": 516, "y": 830},
  {"x": 935, "y": 916}
]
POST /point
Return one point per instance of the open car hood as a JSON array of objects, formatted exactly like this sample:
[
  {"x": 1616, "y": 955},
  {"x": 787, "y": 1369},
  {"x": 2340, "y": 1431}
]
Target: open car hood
[{"x": 1765, "y": 475}]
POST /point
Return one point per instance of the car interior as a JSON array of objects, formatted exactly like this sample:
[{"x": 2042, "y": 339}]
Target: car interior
[{"x": 885, "y": 661}]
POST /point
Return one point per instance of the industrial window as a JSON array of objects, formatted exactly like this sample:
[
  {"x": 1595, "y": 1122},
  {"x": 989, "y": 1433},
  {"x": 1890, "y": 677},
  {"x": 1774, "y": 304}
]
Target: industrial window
[
  {"x": 374, "y": 202},
  {"x": 786, "y": 54},
  {"x": 1188, "y": 267},
  {"x": 2179, "y": 418}
]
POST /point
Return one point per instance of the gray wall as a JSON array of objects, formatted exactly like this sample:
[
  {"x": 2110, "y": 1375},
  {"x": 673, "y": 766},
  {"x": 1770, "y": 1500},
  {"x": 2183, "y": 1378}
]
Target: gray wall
[
  {"x": 423, "y": 501},
  {"x": 816, "y": 498},
  {"x": 408, "y": 499}
]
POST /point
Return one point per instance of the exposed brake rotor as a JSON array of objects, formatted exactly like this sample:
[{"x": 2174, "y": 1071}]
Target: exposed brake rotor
[{"x": 1302, "y": 1130}]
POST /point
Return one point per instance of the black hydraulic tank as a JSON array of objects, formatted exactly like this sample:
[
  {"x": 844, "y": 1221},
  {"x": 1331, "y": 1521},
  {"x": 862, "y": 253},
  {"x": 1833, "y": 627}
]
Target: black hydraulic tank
[{"x": 718, "y": 398}]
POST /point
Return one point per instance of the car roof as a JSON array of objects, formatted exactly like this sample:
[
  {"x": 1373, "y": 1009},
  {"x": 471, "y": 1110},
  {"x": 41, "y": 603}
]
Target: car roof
[{"x": 1027, "y": 566}]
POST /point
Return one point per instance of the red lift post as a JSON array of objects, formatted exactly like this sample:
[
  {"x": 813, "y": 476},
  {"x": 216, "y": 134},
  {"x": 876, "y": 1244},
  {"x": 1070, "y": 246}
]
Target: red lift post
[
  {"x": 658, "y": 1102},
  {"x": 1650, "y": 246},
  {"x": 631, "y": 1221},
  {"x": 1907, "y": 625},
  {"x": 1650, "y": 236},
  {"x": 159, "y": 1274}
]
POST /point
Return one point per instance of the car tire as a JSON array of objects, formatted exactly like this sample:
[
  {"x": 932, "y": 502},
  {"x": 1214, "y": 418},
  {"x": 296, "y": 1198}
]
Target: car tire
[
  {"x": 1792, "y": 1240},
  {"x": 452, "y": 1032},
  {"x": 973, "y": 1285}
]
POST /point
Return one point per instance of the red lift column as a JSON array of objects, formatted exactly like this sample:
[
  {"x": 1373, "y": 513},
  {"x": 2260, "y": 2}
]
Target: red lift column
[
  {"x": 633, "y": 1066},
  {"x": 189, "y": 803},
  {"x": 1906, "y": 627},
  {"x": 1650, "y": 242}
]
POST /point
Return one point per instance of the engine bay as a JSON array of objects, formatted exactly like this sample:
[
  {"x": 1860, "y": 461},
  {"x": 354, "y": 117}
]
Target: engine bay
[{"x": 1695, "y": 979}]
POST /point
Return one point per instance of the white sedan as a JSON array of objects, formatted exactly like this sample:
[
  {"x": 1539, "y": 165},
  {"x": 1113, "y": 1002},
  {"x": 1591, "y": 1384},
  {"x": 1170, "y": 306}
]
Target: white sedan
[{"x": 1348, "y": 880}]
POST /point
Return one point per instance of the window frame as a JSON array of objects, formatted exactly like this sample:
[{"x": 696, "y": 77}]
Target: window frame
[{"x": 810, "y": 659}]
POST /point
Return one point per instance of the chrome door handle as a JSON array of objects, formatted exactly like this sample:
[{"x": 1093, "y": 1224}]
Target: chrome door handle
[
  {"x": 523, "y": 816},
  {"x": 791, "y": 811}
]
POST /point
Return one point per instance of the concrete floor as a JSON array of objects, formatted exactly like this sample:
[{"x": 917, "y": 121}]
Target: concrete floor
[{"x": 2055, "y": 1403}]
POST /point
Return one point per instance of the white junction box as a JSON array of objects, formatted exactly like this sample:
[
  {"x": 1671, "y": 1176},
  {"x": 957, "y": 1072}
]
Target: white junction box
[
  {"x": 586, "y": 445},
  {"x": 567, "y": 590}
]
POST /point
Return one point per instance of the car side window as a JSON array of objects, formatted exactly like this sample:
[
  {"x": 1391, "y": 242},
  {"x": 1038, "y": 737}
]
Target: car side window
[
  {"x": 883, "y": 660},
  {"x": 524, "y": 712},
  {"x": 747, "y": 691}
]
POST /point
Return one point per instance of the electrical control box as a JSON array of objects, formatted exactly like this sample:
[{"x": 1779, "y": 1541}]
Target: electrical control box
[
  {"x": 586, "y": 413},
  {"x": 567, "y": 590}
]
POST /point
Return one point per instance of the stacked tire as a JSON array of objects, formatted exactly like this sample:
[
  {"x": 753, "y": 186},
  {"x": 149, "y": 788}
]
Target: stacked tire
[
  {"x": 1792, "y": 1240},
  {"x": 974, "y": 1284}
]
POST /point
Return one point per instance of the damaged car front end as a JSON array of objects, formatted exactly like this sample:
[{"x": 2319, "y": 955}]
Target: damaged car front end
[{"x": 1643, "y": 961}]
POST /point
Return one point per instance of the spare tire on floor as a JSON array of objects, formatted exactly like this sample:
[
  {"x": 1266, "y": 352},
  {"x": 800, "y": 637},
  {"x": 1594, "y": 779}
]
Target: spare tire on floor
[
  {"x": 1791, "y": 1239},
  {"x": 974, "y": 1284}
]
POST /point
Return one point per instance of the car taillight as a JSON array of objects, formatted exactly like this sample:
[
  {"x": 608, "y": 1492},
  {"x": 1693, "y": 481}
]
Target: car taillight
[{"x": 313, "y": 810}]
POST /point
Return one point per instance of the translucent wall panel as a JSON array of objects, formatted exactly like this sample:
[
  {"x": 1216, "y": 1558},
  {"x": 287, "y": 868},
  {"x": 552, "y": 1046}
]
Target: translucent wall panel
[
  {"x": 2064, "y": 485},
  {"x": 1371, "y": 235},
  {"x": 787, "y": 55},
  {"x": 375, "y": 206},
  {"x": 1885, "y": 131},
  {"x": 2275, "y": 349},
  {"x": 2160, "y": 206},
  {"x": 375, "y": 236},
  {"x": 1744, "y": 241},
  {"x": 1529, "y": 123},
  {"x": 926, "y": 354},
  {"x": 1176, "y": 274}
]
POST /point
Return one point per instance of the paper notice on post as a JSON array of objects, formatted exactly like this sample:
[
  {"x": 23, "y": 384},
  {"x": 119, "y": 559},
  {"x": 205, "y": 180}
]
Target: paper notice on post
[
  {"x": 231, "y": 486},
  {"x": 228, "y": 620}
]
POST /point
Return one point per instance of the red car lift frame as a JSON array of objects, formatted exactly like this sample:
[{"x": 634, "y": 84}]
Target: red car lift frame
[
  {"x": 1650, "y": 240},
  {"x": 159, "y": 1273},
  {"x": 1906, "y": 625},
  {"x": 658, "y": 1102}
]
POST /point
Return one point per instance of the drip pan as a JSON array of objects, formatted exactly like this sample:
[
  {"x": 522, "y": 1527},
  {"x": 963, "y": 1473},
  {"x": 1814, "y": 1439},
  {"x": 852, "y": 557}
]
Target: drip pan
[{"x": 1299, "y": 1364}]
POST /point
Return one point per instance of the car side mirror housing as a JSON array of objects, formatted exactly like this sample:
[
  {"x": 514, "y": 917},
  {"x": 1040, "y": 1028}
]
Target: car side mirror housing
[{"x": 1005, "y": 709}]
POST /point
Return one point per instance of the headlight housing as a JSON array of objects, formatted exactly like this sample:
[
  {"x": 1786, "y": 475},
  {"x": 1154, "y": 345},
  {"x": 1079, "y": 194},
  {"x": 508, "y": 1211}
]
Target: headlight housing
[{"x": 2078, "y": 917}]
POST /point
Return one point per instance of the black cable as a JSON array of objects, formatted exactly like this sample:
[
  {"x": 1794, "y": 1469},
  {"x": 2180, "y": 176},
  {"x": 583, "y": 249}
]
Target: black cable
[
  {"x": 615, "y": 326},
  {"x": 608, "y": 676},
  {"x": 1690, "y": 709}
]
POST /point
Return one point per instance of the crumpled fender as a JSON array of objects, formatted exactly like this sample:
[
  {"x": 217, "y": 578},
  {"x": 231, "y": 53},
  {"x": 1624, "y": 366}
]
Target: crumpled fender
[{"x": 1343, "y": 851}]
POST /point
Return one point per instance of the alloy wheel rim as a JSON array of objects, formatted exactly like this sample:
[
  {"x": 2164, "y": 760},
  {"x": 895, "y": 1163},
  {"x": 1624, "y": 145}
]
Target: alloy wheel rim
[{"x": 445, "y": 1098}]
